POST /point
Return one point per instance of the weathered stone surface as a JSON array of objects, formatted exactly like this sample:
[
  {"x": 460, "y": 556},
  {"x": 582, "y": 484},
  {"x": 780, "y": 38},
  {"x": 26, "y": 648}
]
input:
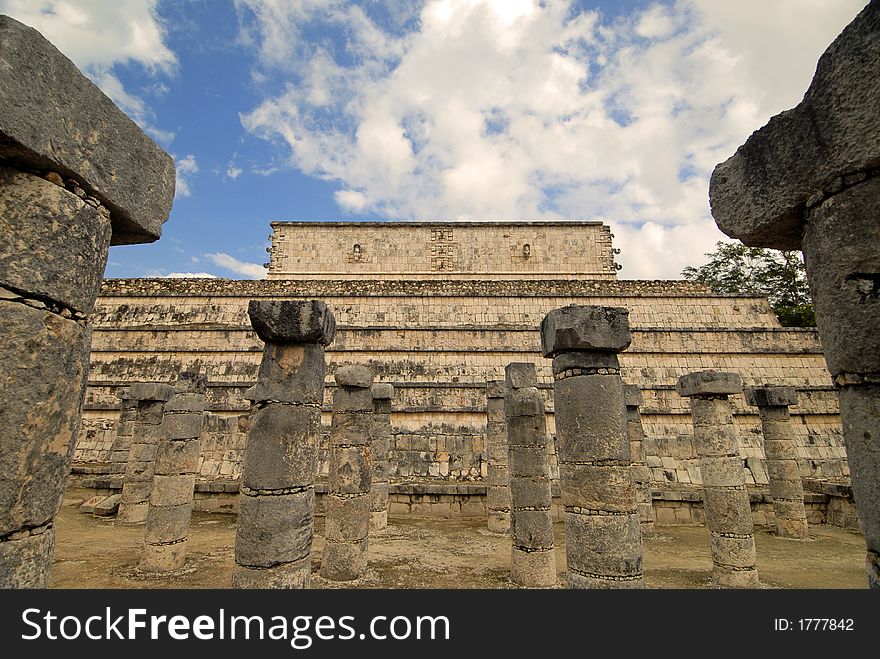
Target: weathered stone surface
[
  {"x": 352, "y": 399},
  {"x": 347, "y": 519},
  {"x": 55, "y": 118},
  {"x": 531, "y": 529},
  {"x": 350, "y": 428},
  {"x": 172, "y": 490},
  {"x": 526, "y": 461},
  {"x": 43, "y": 362},
  {"x": 292, "y": 321},
  {"x": 344, "y": 561},
  {"x": 163, "y": 557},
  {"x": 728, "y": 511},
  {"x": 520, "y": 375},
  {"x": 290, "y": 373},
  {"x": 382, "y": 391},
  {"x": 295, "y": 575},
  {"x": 178, "y": 457},
  {"x": 24, "y": 563},
  {"x": 495, "y": 389},
  {"x": 842, "y": 256},
  {"x": 168, "y": 524},
  {"x": 530, "y": 492},
  {"x": 585, "y": 436},
  {"x": 726, "y": 471},
  {"x": 55, "y": 244},
  {"x": 521, "y": 403},
  {"x": 587, "y": 328},
  {"x": 581, "y": 359},
  {"x": 533, "y": 569},
  {"x": 282, "y": 449},
  {"x": 728, "y": 577},
  {"x": 350, "y": 469},
  {"x": 584, "y": 582},
  {"x": 709, "y": 383},
  {"x": 108, "y": 506},
  {"x": 150, "y": 391},
  {"x": 759, "y": 194},
  {"x": 860, "y": 409},
  {"x": 597, "y": 487},
  {"x": 182, "y": 426},
  {"x": 605, "y": 545},
  {"x": 149, "y": 418},
  {"x": 357, "y": 376},
  {"x": 194, "y": 403},
  {"x": 274, "y": 529},
  {"x": 632, "y": 395},
  {"x": 770, "y": 396}
]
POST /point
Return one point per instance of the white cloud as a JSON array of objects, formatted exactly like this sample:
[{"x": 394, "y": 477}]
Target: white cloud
[
  {"x": 99, "y": 34},
  {"x": 233, "y": 172},
  {"x": 538, "y": 110},
  {"x": 189, "y": 275},
  {"x": 185, "y": 169},
  {"x": 249, "y": 270}
]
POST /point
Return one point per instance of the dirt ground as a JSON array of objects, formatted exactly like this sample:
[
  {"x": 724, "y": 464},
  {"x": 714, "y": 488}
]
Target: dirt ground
[{"x": 96, "y": 552}]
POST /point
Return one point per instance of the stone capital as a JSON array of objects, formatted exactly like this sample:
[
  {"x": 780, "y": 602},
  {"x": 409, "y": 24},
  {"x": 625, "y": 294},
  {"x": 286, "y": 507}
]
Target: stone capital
[
  {"x": 771, "y": 396},
  {"x": 356, "y": 376},
  {"x": 709, "y": 383},
  {"x": 292, "y": 321},
  {"x": 520, "y": 375},
  {"x": 585, "y": 328},
  {"x": 632, "y": 395},
  {"x": 382, "y": 391}
]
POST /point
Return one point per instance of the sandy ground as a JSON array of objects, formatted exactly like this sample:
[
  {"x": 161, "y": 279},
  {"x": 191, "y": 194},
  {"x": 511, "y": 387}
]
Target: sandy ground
[{"x": 95, "y": 552}]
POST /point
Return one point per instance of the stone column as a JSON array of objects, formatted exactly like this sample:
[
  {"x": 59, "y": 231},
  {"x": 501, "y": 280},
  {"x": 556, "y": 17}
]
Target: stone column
[
  {"x": 177, "y": 463},
  {"x": 124, "y": 432},
  {"x": 273, "y": 539},
  {"x": 533, "y": 558},
  {"x": 728, "y": 512},
  {"x": 602, "y": 531},
  {"x": 379, "y": 448},
  {"x": 809, "y": 180},
  {"x": 347, "y": 503},
  {"x": 137, "y": 483},
  {"x": 780, "y": 448},
  {"x": 498, "y": 476},
  {"x": 641, "y": 475},
  {"x": 76, "y": 175}
]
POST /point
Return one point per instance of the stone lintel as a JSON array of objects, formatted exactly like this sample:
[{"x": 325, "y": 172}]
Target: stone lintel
[
  {"x": 56, "y": 119},
  {"x": 292, "y": 321},
  {"x": 585, "y": 328},
  {"x": 759, "y": 195},
  {"x": 771, "y": 396},
  {"x": 709, "y": 383}
]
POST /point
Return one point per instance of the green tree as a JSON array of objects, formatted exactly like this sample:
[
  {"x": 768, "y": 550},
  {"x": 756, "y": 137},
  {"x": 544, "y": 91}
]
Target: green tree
[{"x": 781, "y": 276}]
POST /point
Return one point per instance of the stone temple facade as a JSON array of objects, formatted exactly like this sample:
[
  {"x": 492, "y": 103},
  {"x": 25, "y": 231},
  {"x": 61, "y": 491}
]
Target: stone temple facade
[{"x": 437, "y": 309}]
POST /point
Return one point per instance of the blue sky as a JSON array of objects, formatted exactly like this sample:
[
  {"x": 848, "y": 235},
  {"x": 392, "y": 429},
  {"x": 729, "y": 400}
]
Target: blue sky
[{"x": 441, "y": 109}]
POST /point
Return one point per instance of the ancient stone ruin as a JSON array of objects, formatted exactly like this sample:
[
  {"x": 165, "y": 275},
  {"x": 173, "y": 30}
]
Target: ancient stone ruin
[
  {"x": 602, "y": 531},
  {"x": 809, "y": 180},
  {"x": 137, "y": 482},
  {"x": 726, "y": 500},
  {"x": 641, "y": 475},
  {"x": 533, "y": 557},
  {"x": 780, "y": 447},
  {"x": 347, "y": 504},
  {"x": 177, "y": 462},
  {"x": 273, "y": 539},
  {"x": 66, "y": 195},
  {"x": 380, "y": 445},
  {"x": 497, "y": 472}
]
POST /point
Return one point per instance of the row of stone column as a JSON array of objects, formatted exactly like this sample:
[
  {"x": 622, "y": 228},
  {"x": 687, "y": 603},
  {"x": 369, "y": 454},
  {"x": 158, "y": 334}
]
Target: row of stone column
[{"x": 604, "y": 479}]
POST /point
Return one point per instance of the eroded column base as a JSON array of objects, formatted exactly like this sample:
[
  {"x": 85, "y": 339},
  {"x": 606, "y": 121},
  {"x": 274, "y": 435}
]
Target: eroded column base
[
  {"x": 728, "y": 577},
  {"x": 294, "y": 576},
  {"x": 797, "y": 529},
  {"x": 344, "y": 561},
  {"x": 573, "y": 580},
  {"x": 164, "y": 557},
  {"x": 533, "y": 569}
]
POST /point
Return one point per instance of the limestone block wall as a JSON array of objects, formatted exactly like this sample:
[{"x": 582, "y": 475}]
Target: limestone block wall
[
  {"x": 454, "y": 250},
  {"x": 438, "y": 341}
]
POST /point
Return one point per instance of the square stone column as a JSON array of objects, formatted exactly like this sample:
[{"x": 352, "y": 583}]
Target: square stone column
[
  {"x": 498, "y": 475},
  {"x": 347, "y": 503},
  {"x": 380, "y": 446},
  {"x": 780, "y": 449},
  {"x": 533, "y": 555},
  {"x": 640, "y": 473}
]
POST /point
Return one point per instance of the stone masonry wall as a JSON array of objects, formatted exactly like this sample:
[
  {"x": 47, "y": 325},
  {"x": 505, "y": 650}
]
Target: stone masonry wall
[{"x": 438, "y": 342}]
